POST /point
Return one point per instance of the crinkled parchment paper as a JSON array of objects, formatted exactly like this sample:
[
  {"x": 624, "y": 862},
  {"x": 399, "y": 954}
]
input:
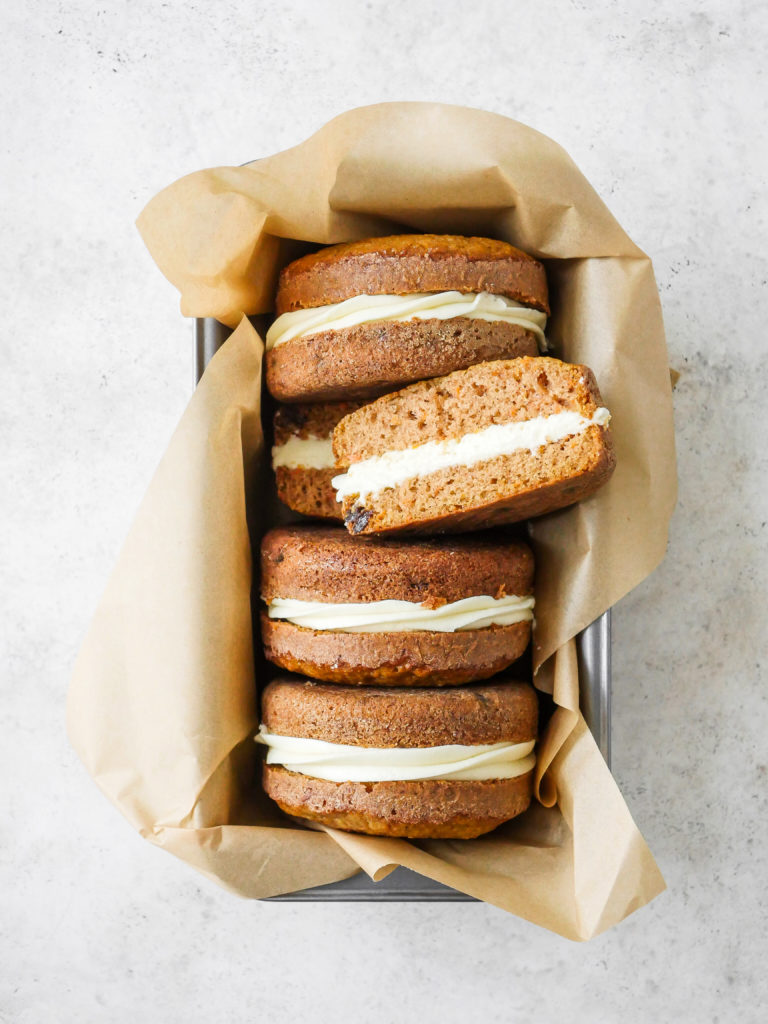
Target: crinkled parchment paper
[{"x": 163, "y": 702}]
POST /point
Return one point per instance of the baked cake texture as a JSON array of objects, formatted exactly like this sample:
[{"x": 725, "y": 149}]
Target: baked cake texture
[
  {"x": 497, "y": 443},
  {"x": 451, "y": 763},
  {"x": 359, "y": 319},
  {"x": 302, "y": 457},
  {"x": 371, "y": 611}
]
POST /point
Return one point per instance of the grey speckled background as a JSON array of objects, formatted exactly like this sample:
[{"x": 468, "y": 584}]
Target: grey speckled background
[{"x": 663, "y": 106}]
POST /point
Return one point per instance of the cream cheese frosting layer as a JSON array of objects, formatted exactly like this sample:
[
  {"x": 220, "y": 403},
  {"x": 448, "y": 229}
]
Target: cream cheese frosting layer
[
  {"x": 392, "y": 468},
  {"x": 403, "y": 616},
  {"x": 368, "y": 309},
  {"x": 340, "y": 762},
  {"x": 304, "y": 453}
]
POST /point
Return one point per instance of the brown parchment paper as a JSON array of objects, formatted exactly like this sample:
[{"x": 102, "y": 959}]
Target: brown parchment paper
[{"x": 162, "y": 704}]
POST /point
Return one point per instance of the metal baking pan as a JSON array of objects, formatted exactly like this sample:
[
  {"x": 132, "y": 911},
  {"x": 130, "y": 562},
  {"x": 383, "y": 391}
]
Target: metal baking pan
[{"x": 594, "y": 651}]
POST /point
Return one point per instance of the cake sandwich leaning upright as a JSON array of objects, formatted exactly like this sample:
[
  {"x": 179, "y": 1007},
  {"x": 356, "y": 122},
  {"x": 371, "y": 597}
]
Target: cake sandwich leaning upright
[
  {"x": 369, "y": 611},
  {"x": 362, "y": 318},
  {"x": 499, "y": 442},
  {"x": 450, "y": 764}
]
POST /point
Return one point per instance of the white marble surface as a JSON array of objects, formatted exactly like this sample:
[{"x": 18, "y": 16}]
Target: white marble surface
[{"x": 663, "y": 107}]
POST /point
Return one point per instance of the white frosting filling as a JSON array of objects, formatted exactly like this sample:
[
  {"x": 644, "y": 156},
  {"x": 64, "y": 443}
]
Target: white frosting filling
[
  {"x": 304, "y": 453},
  {"x": 341, "y": 762},
  {"x": 403, "y": 616},
  {"x": 392, "y": 468},
  {"x": 367, "y": 309}
]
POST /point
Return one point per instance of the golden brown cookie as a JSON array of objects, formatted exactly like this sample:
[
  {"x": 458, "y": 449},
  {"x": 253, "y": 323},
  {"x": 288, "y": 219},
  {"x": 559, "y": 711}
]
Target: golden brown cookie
[
  {"x": 401, "y": 264},
  {"x": 370, "y": 359}
]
